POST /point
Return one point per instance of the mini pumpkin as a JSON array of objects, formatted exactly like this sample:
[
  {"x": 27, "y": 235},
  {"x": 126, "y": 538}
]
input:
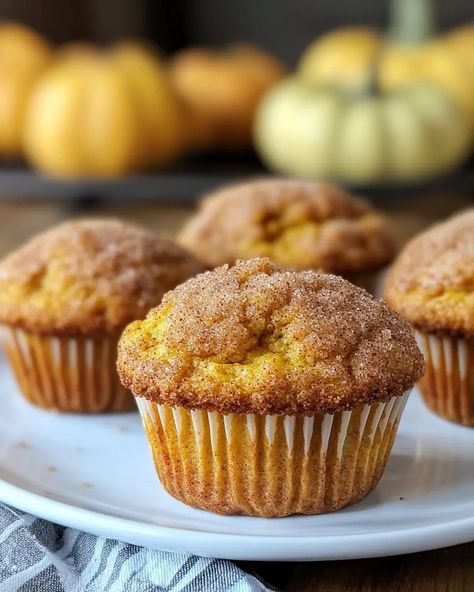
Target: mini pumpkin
[
  {"x": 24, "y": 55},
  {"x": 104, "y": 113},
  {"x": 223, "y": 89},
  {"x": 410, "y": 52},
  {"x": 405, "y": 135}
]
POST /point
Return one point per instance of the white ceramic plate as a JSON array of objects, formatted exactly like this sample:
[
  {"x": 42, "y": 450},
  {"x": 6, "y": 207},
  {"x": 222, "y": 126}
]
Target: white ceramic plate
[{"x": 96, "y": 474}]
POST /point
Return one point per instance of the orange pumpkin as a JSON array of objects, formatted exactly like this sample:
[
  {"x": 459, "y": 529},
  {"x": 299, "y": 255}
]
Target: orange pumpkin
[
  {"x": 410, "y": 53},
  {"x": 223, "y": 89},
  {"x": 24, "y": 55},
  {"x": 460, "y": 42},
  {"x": 341, "y": 57},
  {"x": 104, "y": 113}
]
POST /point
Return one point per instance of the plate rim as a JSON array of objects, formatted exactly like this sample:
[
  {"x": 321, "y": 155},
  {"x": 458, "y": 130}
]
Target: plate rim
[
  {"x": 236, "y": 546},
  {"x": 187, "y": 538}
]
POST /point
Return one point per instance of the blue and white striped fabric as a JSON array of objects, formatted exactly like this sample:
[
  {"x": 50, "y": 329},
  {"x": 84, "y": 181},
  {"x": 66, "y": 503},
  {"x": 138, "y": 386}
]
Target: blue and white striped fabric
[{"x": 38, "y": 556}]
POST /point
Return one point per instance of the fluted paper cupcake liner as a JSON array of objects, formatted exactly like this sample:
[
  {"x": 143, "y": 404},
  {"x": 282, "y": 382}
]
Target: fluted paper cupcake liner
[
  {"x": 448, "y": 384},
  {"x": 74, "y": 374},
  {"x": 270, "y": 465}
]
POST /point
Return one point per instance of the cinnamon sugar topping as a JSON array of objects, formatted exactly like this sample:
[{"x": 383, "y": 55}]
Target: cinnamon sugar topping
[
  {"x": 298, "y": 224},
  {"x": 257, "y": 339},
  {"x": 90, "y": 277},
  {"x": 432, "y": 282}
]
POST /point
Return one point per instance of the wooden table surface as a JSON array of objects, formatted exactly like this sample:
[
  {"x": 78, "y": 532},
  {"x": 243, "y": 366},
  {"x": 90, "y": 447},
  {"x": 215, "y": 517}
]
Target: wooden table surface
[{"x": 445, "y": 570}]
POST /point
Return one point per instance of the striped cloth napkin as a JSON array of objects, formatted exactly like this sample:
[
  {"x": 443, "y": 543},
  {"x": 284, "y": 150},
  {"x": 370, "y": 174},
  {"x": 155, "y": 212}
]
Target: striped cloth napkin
[{"x": 39, "y": 556}]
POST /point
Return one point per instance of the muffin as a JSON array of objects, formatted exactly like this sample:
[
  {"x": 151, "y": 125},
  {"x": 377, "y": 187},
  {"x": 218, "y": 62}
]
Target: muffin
[
  {"x": 432, "y": 285},
  {"x": 66, "y": 296},
  {"x": 298, "y": 224},
  {"x": 269, "y": 392}
]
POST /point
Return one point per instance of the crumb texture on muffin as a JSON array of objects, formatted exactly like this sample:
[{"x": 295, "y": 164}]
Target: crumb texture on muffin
[
  {"x": 298, "y": 224},
  {"x": 254, "y": 338},
  {"x": 90, "y": 277},
  {"x": 432, "y": 281}
]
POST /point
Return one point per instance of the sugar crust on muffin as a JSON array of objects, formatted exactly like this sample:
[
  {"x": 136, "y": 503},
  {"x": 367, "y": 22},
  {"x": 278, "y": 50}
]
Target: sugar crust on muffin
[
  {"x": 90, "y": 276},
  {"x": 432, "y": 281},
  {"x": 298, "y": 224},
  {"x": 254, "y": 338}
]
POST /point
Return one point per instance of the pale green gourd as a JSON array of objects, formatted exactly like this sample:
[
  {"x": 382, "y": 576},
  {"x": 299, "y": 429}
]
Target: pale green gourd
[{"x": 409, "y": 134}]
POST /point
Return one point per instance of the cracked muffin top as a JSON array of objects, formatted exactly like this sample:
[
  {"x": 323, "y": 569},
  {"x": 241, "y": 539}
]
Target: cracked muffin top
[
  {"x": 254, "y": 338},
  {"x": 298, "y": 224},
  {"x": 432, "y": 281},
  {"x": 89, "y": 277}
]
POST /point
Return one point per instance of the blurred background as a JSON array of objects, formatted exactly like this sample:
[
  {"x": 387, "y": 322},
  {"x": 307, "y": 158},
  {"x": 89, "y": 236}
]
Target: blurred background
[
  {"x": 283, "y": 27},
  {"x": 208, "y": 91},
  {"x": 119, "y": 105}
]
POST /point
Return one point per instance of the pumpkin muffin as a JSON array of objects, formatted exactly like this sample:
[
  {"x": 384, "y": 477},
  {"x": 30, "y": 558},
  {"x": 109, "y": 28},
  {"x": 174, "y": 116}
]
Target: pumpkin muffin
[
  {"x": 432, "y": 285},
  {"x": 298, "y": 224},
  {"x": 66, "y": 296},
  {"x": 269, "y": 392}
]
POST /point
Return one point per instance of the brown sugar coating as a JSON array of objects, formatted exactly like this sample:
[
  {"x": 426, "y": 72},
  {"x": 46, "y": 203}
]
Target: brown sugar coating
[
  {"x": 298, "y": 224},
  {"x": 254, "y": 338},
  {"x": 89, "y": 277},
  {"x": 432, "y": 282}
]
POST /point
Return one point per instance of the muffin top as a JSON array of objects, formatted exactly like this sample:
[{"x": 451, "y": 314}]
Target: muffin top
[
  {"x": 432, "y": 281},
  {"x": 298, "y": 224},
  {"x": 254, "y": 338},
  {"x": 89, "y": 277}
]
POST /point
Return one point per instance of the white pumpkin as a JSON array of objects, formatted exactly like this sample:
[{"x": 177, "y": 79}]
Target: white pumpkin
[{"x": 412, "y": 133}]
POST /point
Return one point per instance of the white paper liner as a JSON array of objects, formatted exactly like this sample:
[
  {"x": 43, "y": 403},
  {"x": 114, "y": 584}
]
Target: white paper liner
[
  {"x": 341, "y": 455},
  {"x": 73, "y": 374},
  {"x": 448, "y": 383}
]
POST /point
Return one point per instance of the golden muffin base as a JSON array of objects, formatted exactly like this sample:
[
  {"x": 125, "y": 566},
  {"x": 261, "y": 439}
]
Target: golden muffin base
[
  {"x": 71, "y": 374},
  {"x": 270, "y": 465},
  {"x": 448, "y": 383}
]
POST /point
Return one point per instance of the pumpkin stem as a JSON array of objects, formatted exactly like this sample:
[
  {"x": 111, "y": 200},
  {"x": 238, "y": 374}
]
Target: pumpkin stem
[{"x": 412, "y": 22}]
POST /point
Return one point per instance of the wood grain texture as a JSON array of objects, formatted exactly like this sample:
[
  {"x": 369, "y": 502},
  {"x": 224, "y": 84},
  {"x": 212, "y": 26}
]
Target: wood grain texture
[
  {"x": 446, "y": 570},
  {"x": 19, "y": 220}
]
